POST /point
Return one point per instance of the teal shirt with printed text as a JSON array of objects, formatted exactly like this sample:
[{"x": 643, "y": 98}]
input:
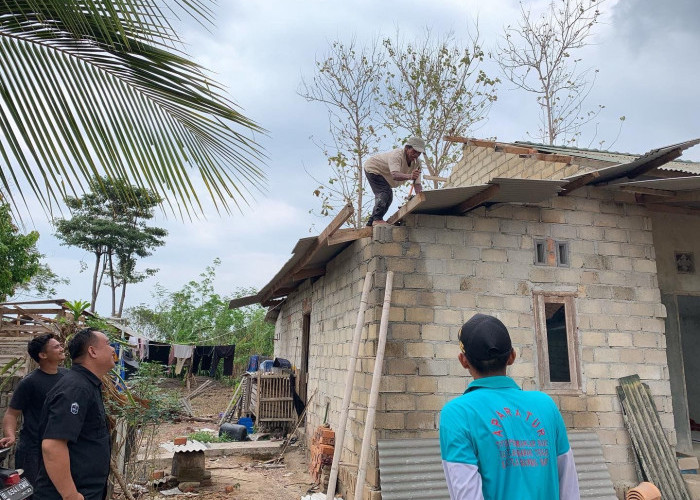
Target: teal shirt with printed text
[{"x": 512, "y": 436}]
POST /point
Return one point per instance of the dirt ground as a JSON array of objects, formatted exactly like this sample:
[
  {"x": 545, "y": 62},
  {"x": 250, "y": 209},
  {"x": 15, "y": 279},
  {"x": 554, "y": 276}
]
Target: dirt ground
[{"x": 246, "y": 477}]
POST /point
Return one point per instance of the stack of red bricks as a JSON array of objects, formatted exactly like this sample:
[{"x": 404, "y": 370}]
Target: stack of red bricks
[{"x": 322, "y": 448}]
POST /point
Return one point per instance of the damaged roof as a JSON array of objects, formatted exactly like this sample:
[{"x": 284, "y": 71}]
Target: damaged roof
[
  {"x": 610, "y": 156},
  {"x": 311, "y": 255}
]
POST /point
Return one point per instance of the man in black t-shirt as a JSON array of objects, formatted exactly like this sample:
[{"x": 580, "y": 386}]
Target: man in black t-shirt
[
  {"x": 27, "y": 401},
  {"x": 75, "y": 440}
]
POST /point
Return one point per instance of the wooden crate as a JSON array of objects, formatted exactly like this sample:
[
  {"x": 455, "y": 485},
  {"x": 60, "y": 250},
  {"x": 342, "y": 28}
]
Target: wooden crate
[{"x": 271, "y": 401}]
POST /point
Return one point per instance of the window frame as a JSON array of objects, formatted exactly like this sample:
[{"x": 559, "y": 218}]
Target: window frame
[{"x": 540, "y": 300}]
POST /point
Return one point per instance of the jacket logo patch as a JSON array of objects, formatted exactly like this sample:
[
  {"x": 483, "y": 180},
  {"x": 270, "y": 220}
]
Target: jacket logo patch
[{"x": 74, "y": 408}]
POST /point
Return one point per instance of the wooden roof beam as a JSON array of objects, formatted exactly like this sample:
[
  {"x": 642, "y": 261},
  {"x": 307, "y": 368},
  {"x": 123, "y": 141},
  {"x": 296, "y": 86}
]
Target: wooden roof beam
[
  {"x": 579, "y": 183},
  {"x": 345, "y": 235},
  {"x": 409, "y": 206},
  {"x": 321, "y": 240},
  {"x": 657, "y": 207},
  {"x": 660, "y": 193},
  {"x": 680, "y": 197},
  {"x": 477, "y": 199},
  {"x": 309, "y": 273}
]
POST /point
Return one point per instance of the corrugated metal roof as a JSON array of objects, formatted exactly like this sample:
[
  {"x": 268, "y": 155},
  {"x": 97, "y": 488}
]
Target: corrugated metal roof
[
  {"x": 412, "y": 468},
  {"x": 611, "y": 156},
  {"x": 593, "y": 476},
  {"x": 190, "y": 446},
  {"x": 655, "y": 455},
  {"x": 618, "y": 171},
  {"x": 675, "y": 184}
]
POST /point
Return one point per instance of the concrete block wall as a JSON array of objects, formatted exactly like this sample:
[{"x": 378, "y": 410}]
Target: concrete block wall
[
  {"x": 334, "y": 301},
  {"x": 481, "y": 164},
  {"x": 449, "y": 268}
]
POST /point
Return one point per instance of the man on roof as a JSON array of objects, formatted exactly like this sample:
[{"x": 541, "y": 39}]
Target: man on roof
[{"x": 386, "y": 171}]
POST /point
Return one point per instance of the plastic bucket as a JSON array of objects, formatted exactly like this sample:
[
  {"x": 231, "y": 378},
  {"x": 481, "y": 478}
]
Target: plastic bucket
[{"x": 247, "y": 422}]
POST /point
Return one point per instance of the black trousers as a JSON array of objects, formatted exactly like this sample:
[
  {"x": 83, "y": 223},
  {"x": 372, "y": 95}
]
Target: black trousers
[{"x": 383, "y": 196}]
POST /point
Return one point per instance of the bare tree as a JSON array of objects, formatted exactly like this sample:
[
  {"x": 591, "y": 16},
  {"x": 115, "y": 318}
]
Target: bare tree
[
  {"x": 537, "y": 56},
  {"x": 434, "y": 87},
  {"x": 347, "y": 82}
]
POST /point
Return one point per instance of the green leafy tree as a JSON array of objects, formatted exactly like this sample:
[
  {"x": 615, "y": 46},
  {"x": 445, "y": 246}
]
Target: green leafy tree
[
  {"x": 96, "y": 87},
  {"x": 19, "y": 258},
  {"x": 431, "y": 87},
  {"x": 435, "y": 87},
  {"x": 197, "y": 315},
  {"x": 115, "y": 231},
  {"x": 42, "y": 285}
]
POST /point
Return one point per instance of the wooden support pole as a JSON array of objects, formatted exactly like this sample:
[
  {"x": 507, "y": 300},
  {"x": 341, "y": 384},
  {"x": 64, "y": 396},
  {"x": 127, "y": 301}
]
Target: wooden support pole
[
  {"x": 349, "y": 381},
  {"x": 374, "y": 391}
]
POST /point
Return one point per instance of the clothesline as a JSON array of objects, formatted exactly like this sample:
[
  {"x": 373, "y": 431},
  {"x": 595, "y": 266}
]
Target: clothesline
[{"x": 162, "y": 343}]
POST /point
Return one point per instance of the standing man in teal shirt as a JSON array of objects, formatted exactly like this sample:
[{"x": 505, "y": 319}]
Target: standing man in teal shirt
[{"x": 497, "y": 441}]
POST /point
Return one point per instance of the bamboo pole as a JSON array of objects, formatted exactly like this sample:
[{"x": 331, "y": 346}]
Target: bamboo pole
[
  {"x": 349, "y": 380},
  {"x": 374, "y": 392}
]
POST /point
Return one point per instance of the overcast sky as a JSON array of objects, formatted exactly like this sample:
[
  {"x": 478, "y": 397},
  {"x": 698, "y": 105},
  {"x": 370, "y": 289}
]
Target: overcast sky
[{"x": 647, "y": 54}]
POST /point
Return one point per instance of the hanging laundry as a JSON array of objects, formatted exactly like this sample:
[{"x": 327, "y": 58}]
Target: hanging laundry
[
  {"x": 158, "y": 353},
  {"x": 202, "y": 358},
  {"x": 225, "y": 352},
  {"x": 181, "y": 353}
]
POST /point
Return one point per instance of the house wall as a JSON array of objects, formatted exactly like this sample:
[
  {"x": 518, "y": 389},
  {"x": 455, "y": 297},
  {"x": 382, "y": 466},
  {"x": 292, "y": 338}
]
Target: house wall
[
  {"x": 675, "y": 233},
  {"x": 334, "y": 301},
  {"x": 481, "y": 164},
  {"x": 448, "y": 268}
]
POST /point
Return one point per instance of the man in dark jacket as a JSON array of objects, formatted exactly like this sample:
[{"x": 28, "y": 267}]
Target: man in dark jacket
[
  {"x": 27, "y": 401},
  {"x": 75, "y": 445}
]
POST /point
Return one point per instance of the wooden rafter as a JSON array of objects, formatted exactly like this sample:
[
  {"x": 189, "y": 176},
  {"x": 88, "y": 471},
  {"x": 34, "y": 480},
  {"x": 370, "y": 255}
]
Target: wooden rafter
[
  {"x": 478, "y": 199},
  {"x": 579, "y": 183},
  {"x": 657, "y": 207},
  {"x": 407, "y": 208},
  {"x": 345, "y": 235},
  {"x": 678, "y": 197},
  {"x": 312, "y": 272},
  {"x": 321, "y": 240},
  {"x": 661, "y": 193}
]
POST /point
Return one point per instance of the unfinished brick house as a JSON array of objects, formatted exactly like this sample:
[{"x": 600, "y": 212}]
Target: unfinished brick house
[{"x": 586, "y": 256}]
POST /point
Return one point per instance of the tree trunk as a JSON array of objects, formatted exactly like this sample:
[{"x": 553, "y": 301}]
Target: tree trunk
[
  {"x": 121, "y": 300},
  {"x": 93, "y": 296},
  {"x": 112, "y": 286}
]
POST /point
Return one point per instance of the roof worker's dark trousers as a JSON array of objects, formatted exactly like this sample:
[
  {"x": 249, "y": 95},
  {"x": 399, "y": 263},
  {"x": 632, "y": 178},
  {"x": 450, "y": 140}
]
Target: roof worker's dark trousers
[{"x": 383, "y": 196}]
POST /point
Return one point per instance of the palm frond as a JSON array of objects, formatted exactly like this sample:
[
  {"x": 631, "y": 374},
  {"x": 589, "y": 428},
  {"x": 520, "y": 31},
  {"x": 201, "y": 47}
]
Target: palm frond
[{"x": 98, "y": 87}]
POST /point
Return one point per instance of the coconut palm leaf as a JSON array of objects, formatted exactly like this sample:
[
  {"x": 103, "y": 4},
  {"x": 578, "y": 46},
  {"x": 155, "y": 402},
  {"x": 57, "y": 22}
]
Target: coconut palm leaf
[{"x": 98, "y": 87}]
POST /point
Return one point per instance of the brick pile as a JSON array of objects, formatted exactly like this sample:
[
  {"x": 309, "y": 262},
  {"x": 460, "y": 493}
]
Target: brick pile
[{"x": 322, "y": 448}]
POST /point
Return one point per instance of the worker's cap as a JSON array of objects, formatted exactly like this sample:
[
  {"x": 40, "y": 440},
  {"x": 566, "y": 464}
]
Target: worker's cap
[
  {"x": 484, "y": 337},
  {"x": 416, "y": 143}
]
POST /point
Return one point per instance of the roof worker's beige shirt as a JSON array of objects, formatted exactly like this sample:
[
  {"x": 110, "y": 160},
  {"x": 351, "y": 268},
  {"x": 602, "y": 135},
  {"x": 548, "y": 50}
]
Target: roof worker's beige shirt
[{"x": 391, "y": 161}]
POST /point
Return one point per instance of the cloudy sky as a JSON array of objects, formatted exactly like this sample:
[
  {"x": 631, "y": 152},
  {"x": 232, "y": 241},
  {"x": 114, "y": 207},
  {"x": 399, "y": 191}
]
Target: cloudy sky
[{"x": 646, "y": 53}]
